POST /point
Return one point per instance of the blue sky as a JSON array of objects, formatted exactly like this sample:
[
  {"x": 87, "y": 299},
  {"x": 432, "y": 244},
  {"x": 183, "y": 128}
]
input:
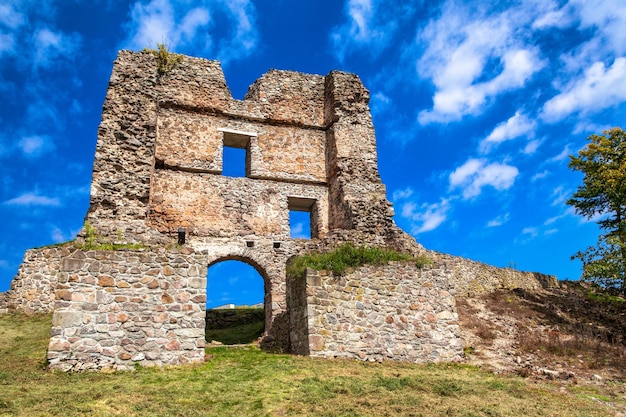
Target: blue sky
[{"x": 476, "y": 107}]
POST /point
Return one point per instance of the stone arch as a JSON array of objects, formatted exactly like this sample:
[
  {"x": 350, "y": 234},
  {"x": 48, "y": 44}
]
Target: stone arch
[
  {"x": 270, "y": 265},
  {"x": 258, "y": 268}
]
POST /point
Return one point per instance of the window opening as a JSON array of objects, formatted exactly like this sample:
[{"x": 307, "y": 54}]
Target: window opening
[
  {"x": 302, "y": 224},
  {"x": 234, "y": 162},
  {"x": 235, "y": 303},
  {"x": 236, "y": 152}
]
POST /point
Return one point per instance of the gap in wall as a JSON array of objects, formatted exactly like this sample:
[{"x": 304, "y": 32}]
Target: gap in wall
[{"x": 235, "y": 303}]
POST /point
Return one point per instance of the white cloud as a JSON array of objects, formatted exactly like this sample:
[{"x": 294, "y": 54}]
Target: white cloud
[
  {"x": 33, "y": 199},
  {"x": 298, "y": 232},
  {"x": 244, "y": 38},
  {"x": 475, "y": 174},
  {"x": 192, "y": 22},
  {"x": 10, "y": 17},
  {"x": 498, "y": 221},
  {"x": 425, "y": 217},
  {"x": 471, "y": 58},
  {"x": 570, "y": 211},
  {"x": 49, "y": 45},
  {"x": 566, "y": 152},
  {"x": 540, "y": 175},
  {"x": 359, "y": 30},
  {"x": 532, "y": 231},
  {"x": 559, "y": 196},
  {"x": 35, "y": 146},
  {"x": 153, "y": 23},
  {"x": 516, "y": 126},
  {"x": 402, "y": 194},
  {"x": 370, "y": 25},
  {"x": 7, "y": 43},
  {"x": 531, "y": 147},
  {"x": 379, "y": 102},
  {"x": 596, "y": 90},
  {"x": 171, "y": 23},
  {"x": 555, "y": 18},
  {"x": 607, "y": 18}
]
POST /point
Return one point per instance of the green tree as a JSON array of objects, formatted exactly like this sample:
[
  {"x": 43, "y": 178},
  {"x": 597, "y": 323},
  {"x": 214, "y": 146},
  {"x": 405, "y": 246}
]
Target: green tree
[{"x": 603, "y": 195}]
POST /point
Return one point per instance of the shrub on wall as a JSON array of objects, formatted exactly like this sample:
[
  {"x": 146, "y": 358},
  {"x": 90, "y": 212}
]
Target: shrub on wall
[{"x": 349, "y": 256}]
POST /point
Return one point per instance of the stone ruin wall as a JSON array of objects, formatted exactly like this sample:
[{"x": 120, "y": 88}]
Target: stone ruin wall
[
  {"x": 375, "y": 313},
  {"x": 160, "y": 140},
  {"x": 33, "y": 288},
  {"x": 115, "y": 309},
  {"x": 310, "y": 145}
]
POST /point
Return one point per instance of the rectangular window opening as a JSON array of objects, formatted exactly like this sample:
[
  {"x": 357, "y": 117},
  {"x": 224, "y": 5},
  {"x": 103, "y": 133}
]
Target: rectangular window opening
[
  {"x": 302, "y": 218},
  {"x": 233, "y": 162},
  {"x": 236, "y": 153}
]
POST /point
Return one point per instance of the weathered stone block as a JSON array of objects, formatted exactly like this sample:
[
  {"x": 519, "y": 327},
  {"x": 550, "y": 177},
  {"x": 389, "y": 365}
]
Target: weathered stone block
[{"x": 66, "y": 319}]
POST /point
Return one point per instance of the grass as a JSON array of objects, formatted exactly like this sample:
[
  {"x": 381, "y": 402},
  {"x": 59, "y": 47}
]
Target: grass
[
  {"x": 605, "y": 297},
  {"x": 247, "y": 381},
  {"x": 237, "y": 326},
  {"x": 349, "y": 256}
]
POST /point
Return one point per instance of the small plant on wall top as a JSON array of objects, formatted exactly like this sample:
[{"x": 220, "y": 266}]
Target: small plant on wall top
[
  {"x": 166, "y": 60},
  {"x": 349, "y": 256},
  {"x": 93, "y": 241}
]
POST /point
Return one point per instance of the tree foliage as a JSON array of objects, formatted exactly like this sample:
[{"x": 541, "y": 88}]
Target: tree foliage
[{"x": 603, "y": 195}]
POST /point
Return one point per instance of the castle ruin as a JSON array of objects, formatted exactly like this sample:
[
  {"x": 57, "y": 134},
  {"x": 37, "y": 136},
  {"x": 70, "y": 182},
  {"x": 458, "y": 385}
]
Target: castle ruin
[{"x": 157, "y": 183}]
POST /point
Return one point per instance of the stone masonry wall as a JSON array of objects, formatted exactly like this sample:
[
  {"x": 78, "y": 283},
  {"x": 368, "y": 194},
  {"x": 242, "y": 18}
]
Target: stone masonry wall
[
  {"x": 32, "y": 289},
  {"x": 357, "y": 196},
  {"x": 307, "y": 129},
  {"x": 192, "y": 141},
  {"x": 396, "y": 311},
  {"x": 4, "y": 306},
  {"x": 210, "y": 205},
  {"x": 124, "y": 159},
  {"x": 116, "y": 309},
  {"x": 471, "y": 278}
]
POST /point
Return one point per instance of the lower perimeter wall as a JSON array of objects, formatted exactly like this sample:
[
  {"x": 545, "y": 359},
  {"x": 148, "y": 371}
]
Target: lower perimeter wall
[
  {"x": 395, "y": 311},
  {"x": 32, "y": 289},
  {"x": 117, "y": 309}
]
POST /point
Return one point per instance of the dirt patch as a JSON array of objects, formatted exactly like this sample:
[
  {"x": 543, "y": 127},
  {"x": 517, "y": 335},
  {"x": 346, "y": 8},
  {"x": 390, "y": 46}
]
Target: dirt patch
[{"x": 570, "y": 334}]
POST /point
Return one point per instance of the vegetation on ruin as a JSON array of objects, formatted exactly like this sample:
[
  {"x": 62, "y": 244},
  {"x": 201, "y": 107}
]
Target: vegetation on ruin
[
  {"x": 93, "y": 241},
  {"x": 166, "y": 60},
  {"x": 247, "y": 381},
  {"x": 349, "y": 256}
]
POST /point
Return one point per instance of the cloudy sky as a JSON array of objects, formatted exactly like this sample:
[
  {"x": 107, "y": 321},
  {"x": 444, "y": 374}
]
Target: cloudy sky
[{"x": 476, "y": 107}]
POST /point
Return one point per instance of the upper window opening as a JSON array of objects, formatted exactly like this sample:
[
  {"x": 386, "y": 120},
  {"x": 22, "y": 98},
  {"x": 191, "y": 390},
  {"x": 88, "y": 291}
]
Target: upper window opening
[
  {"x": 236, "y": 153},
  {"x": 233, "y": 162},
  {"x": 302, "y": 220}
]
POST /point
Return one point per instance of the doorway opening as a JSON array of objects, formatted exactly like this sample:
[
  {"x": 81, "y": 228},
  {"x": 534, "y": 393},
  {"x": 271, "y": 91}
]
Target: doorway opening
[{"x": 235, "y": 303}]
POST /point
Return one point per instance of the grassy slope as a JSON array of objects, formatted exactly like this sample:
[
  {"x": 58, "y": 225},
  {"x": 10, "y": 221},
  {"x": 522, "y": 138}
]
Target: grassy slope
[{"x": 249, "y": 382}]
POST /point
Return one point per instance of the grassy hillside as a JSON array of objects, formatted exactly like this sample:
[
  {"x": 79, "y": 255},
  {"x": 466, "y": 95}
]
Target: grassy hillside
[
  {"x": 248, "y": 382},
  {"x": 236, "y": 326}
]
